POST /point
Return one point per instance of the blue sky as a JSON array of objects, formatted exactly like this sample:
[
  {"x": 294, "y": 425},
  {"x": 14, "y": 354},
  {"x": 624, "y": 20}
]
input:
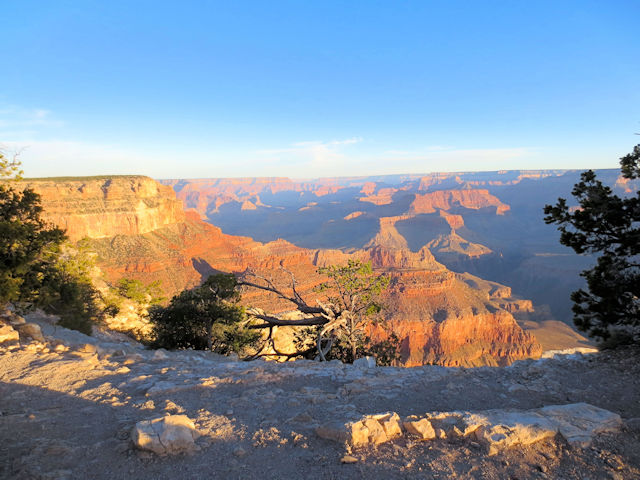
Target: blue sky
[{"x": 307, "y": 89}]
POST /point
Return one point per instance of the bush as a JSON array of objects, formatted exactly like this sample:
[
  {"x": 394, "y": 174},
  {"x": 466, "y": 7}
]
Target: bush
[
  {"x": 66, "y": 289},
  {"x": 138, "y": 292},
  {"x": 204, "y": 318}
]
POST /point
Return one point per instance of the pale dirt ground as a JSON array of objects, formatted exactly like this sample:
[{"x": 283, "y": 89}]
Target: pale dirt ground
[{"x": 68, "y": 415}]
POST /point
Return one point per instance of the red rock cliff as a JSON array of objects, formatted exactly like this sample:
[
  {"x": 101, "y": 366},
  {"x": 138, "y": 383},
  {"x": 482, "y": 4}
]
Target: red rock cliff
[
  {"x": 98, "y": 207},
  {"x": 446, "y": 199}
]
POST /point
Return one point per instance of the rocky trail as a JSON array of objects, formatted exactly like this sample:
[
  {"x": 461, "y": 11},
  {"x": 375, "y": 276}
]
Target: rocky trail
[{"x": 73, "y": 406}]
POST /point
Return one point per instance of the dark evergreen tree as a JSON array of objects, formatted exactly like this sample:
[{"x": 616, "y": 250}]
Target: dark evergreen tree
[
  {"x": 204, "y": 318},
  {"x": 609, "y": 226},
  {"x": 36, "y": 268},
  {"x": 26, "y": 244}
]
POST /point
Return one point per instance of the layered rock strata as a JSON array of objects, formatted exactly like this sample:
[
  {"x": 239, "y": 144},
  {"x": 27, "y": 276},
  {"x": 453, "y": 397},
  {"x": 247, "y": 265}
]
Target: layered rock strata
[{"x": 99, "y": 207}]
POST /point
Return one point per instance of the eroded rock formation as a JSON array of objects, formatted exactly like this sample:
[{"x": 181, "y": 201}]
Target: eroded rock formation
[
  {"x": 99, "y": 207},
  {"x": 446, "y": 199}
]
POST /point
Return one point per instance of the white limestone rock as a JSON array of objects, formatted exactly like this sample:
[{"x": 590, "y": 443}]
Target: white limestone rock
[
  {"x": 578, "y": 423},
  {"x": 365, "y": 362},
  {"x": 169, "y": 435},
  {"x": 160, "y": 354},
  {"x": 497, "y": 430}
]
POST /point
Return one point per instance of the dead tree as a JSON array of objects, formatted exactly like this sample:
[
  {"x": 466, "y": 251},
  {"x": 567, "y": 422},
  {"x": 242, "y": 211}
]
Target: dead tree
[
  {"x": 325, "y": 315},
  {"x": 343, "y": 315}
]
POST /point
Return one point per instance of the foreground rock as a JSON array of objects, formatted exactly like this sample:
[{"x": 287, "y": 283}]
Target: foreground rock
[
  {"x": 31, "y": 331},
  {"x": 372, "y": 429},
  {"x": 168, "y": 435},
  {"x": 8, "y": 336},
  {"x": 68, "y": 408},
  {"x": 578, "y": 423}
]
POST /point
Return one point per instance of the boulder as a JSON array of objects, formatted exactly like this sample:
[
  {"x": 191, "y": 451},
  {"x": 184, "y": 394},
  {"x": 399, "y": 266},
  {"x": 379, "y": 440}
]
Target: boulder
[
  {"x": 167, "y": 435},
  {"x": 370, "y": 430},
  {"x": 580, "y": 422},
  {"x": 31, "y": 330},
  {"x": 8, "y": 335}
]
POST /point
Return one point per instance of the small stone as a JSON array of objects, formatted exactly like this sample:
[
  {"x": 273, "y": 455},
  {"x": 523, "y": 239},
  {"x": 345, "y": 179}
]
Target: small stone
[
  {"x": 57, "y": 450},
  {"x": 88, "y": 348},
  {"x": 302, "y": 418},
  {"x": 16, "y": 320},
  {"x": 365, "y": 362},
  {"x": 349, "y": 459},
  {"x": 133, "y": 358},
  {"x": 422, "y": 428},
  {"x": 239, "y": 452},
  {"x": 8, "y": 335},
  {"x": 390, "y": 423},
  {"x": 160, "y": 354},
  {"x": 172, "y": 407},
  {"x": 31, "y": 330}
]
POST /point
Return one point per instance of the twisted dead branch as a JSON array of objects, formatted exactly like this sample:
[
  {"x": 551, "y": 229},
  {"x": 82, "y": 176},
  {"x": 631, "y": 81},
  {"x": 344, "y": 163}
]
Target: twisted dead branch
[{"x": 326, "y": 315}]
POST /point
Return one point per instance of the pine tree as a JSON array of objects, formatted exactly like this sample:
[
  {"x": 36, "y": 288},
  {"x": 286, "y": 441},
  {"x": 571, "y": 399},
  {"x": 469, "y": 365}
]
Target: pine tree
[{"x": 608, "y": 226}]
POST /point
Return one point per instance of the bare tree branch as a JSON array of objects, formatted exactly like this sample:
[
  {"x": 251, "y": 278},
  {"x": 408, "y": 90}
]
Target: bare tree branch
[{"x": 269, "y": 286}]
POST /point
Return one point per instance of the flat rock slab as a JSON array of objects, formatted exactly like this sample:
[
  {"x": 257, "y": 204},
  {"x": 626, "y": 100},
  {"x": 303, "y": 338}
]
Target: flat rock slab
[
  {"x": 578, "y": 423},
  {"x": 167, "y": 435},
  {"x": 496, "y": 429}
]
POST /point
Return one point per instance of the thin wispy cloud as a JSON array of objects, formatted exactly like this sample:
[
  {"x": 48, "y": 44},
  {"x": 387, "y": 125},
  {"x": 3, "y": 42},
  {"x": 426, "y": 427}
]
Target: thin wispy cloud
[
  {"x": 307, "y": 156},
  {"x": 15, "y": 119},
  {"x": 336, "y": 158}
]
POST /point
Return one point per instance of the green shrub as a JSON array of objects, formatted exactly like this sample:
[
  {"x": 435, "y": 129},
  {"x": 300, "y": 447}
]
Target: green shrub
[
  {"x": 204, "y": 318},
  {"x": 138, "y": 292}
]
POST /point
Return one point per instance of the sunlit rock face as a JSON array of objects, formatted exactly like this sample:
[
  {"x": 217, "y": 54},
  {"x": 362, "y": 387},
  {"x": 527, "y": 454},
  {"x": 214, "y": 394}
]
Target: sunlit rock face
[
  {"x": 98, "y": 207},
  {"x": 446, "y": 199}
]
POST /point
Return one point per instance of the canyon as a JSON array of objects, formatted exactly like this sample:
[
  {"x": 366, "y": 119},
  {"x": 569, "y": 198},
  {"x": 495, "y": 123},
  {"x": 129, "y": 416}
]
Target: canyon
[{"x": 469, "y": 268}]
